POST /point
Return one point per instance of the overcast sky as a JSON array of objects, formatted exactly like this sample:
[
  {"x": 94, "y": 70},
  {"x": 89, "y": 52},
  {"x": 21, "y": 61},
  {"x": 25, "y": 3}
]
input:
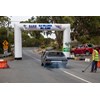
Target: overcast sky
[{"x": 17, "y": 19}]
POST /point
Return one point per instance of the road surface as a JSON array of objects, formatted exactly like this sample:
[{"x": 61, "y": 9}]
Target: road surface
[{"x": 29, "y": 70}]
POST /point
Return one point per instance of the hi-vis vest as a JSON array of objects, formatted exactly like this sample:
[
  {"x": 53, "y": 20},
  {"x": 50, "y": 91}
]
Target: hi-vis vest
[{"x": 95, "y": 55}]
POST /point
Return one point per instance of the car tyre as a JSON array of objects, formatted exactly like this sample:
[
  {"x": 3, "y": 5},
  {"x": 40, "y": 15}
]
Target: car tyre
[
  {"x": 41, "y": 64},
  {"x": 44, "y": 65}
]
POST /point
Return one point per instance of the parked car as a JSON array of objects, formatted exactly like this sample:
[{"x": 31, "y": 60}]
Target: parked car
[
  {"x": 50, "y": 57},
  {"x": 85, "y": 49}
]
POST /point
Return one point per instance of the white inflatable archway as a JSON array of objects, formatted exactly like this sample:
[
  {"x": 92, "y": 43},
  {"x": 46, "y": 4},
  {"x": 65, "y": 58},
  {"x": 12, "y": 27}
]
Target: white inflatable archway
[{"x": 41, "y": 27}]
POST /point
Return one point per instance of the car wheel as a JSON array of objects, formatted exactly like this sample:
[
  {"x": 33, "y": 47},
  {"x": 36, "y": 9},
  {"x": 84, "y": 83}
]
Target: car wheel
[
  {"x": 44, "y": 65},
  {"x": 87, "y": 53},
  {"x": 41, "y": 64}
]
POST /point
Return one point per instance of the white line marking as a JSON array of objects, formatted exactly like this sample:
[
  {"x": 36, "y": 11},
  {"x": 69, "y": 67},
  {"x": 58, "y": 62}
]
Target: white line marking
[{"x": 75, "y": 76}]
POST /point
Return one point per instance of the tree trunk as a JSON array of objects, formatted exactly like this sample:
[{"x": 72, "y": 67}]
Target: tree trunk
[{"x": 59, "y": 38}]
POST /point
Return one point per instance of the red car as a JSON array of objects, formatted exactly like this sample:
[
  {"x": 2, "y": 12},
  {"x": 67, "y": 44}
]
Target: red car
[{"x": 83, "y": 49}]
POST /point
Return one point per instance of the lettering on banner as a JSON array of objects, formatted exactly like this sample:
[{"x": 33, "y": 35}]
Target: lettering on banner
[
  {"x": 45, "y": 27},
  {"x": 30, "y": 26}
]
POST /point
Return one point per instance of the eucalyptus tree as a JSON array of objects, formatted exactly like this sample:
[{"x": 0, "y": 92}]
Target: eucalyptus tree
[{"x": 86, "y": 27}]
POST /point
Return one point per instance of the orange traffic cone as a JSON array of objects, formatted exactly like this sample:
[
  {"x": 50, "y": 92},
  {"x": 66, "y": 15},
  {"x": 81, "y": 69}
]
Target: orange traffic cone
[
  {"x": 98, "y": 64},
  {"x": 3, "y": 64}
]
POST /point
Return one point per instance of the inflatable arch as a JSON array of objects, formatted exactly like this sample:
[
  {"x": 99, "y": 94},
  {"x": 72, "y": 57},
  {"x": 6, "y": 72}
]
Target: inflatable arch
[{"x": 40, "y": 27}]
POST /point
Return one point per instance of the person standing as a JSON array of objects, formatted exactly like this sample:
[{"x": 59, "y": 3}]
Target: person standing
[{"x": 95, "y": 59}]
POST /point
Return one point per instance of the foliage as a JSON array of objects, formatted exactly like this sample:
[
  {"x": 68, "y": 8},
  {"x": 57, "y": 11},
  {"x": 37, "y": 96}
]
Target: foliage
[
  {"x": 3, "y": 36},
  {"x": 4, "y": 25},
  {"x": 11, "y": 38},
  {"x": 35, "y": 40},
  {"x": 86, "y": 25},
  {"x": 4, "y": 21}
]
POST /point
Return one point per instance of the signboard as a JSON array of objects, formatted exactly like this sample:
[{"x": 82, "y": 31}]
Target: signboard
[
  {"x": 38, "y": 27},
  {"x": 30, "y": 27},
  {"x": 5, "y": 45},
  {"x": 45, "y": 27},
  {"x": 66, "y": 49}
]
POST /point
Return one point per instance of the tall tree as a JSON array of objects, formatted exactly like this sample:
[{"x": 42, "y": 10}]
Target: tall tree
[
  {"x": 61, "y": 19},
  {"x": 87, "y": 25},
  {"x": 85, "y": 28}
]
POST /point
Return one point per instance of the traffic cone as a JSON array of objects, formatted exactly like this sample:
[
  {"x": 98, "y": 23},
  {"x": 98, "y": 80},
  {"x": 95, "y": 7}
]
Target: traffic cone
[
  {"x": 98, "y": 64},
  {"x": 3, "y": 64}
]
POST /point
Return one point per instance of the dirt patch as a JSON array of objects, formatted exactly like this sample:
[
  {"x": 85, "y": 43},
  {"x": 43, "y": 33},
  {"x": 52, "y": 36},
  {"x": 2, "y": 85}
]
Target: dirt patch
[{"x": 10, "y": 58}]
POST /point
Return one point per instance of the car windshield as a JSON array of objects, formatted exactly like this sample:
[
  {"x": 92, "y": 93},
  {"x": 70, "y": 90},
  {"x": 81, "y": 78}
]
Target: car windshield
[
  {"x": 90, "y": 45},
  {"x": 58, "y": 54}
]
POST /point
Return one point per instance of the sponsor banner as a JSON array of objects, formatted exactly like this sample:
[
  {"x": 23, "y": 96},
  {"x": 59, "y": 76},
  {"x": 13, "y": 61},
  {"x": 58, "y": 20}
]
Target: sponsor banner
[
  {"x": 43, "y": 27},
  {"x": 66, "y": 49},
  {"x": 38, "y": 27}
]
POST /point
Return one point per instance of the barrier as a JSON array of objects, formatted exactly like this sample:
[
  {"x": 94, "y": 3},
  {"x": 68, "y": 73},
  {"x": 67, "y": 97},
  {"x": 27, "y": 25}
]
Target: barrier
[
  {"x": 3, "y": 64},
  {"x": 98, "y": 64},
  {"x": 87, "y": 60},
  {"x": 79, "y": 58}
]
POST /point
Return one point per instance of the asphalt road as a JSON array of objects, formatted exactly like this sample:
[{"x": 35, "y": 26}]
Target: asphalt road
[{"x": 29, "y": 70}]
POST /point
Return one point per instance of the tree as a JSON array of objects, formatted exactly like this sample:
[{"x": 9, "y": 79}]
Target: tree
[
  {"x": 87, "y": 26},
  {"x": 61, "y": 19},
  {"x": 4, "y": 21},
  {"x": 4, "y": 25},
  {"x": 3, "y": 36}
]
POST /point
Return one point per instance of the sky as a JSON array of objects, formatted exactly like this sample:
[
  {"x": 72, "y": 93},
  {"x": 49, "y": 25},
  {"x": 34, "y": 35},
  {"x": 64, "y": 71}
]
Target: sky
[{"x": 17, "y": 19}]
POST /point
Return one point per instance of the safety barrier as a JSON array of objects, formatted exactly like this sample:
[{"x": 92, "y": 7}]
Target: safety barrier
[
  {"x": 80, "y": 58},
  {"x": 3, "y": 64},
  {"x": 98, "y": 64}
]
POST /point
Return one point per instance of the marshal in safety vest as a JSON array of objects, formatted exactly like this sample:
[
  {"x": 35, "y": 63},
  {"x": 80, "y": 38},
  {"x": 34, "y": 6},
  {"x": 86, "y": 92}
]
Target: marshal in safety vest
[{"x": 95, "y": 55}]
